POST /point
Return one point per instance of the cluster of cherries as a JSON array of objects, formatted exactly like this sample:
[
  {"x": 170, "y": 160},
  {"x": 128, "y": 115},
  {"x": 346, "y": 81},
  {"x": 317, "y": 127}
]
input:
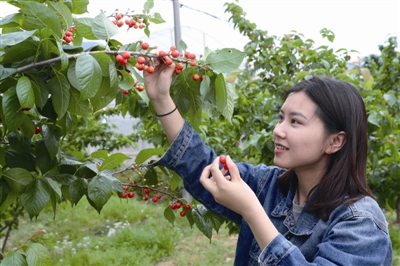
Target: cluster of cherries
[
  {"x": 68, "y": 35},
  {"x": 131, "y": 22},
  {"x": 174, "y": 206}
]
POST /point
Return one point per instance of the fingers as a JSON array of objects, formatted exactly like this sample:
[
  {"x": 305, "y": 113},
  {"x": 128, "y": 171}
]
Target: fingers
[{"x": 233, "y": 169}]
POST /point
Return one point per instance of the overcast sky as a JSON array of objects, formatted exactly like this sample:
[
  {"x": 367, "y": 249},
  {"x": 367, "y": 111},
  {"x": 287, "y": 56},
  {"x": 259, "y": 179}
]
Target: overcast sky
[{"x": 358, "y": 24}]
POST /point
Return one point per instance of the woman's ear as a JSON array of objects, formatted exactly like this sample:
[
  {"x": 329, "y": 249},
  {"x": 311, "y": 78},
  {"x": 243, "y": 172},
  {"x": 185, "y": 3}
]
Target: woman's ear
[{"x": 336, "y": 142}]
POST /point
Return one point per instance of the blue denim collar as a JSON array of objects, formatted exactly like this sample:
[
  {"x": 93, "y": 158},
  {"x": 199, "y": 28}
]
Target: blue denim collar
[{"x": 306, "y": 221}]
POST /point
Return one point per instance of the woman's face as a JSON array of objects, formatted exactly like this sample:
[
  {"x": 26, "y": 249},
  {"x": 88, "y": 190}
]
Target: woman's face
[{"x": 300, "y": 137}]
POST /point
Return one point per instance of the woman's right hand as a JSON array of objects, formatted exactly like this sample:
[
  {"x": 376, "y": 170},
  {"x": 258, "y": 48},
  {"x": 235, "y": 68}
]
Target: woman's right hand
[{"x": 158, "y": 83}]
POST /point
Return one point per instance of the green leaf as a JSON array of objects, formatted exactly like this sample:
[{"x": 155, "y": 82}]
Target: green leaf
[
  {"x": 6, "y": 72},
  {"x": 38, "y": 255},
  {"x": 374, "y": 118},
  {"x": 63, "y": 179},
  {"x": 151, "y": 177},
  {"x": 13, "y": 38},
  {"x": 62, "y": 12},
  {"x": 10, "y": 199},
  {"x": 390, "y": 98},
  {"x": 60, "y": 94},
  {"x": 156, "y": 18},
  {"x": 105, "y": 95},
  {"x": 39, "y": 16},
  {"x": 99, "y": 191},
  {"x": 35, "y": 197},
  {"x": 183, "y": 45},
  {"x": 20, "y": 52},
  {"x": 40, "y": 89},
  {"x": 89, "y": 75},
  {"x": 113, "y": 161},
  {"x": 169, "y": 215},
  {"x": 25, "y": 92},
  {"x": 202, "y": 224},
  {"x": 127, "y": 81},
  {"x": 77, "y": 189},
  {"x": 14, "y": 259},
  {"x": 102, "y": 154},
  {"x": 301, "y": 75},
  {"x": 56, "y": 187},
  {"x": 225, "y": 60},
  {"x": 84, "y": 28},
  {"x": 220, "y": 92},
  {"x": 12, "y": 111},
  {"x": 149, "y": 4},
  {"x": 103, "y": 28},
  {"x": 145, "y": 154},
  {"x": 230, "y": 103},
  {"x": 51, "y": 136},
  {"x": 76, "y": 105},
  {"x": 17, "y": 179},
  {"x": 79, "y": 6}
]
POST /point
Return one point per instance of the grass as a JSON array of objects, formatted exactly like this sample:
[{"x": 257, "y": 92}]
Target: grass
[
  {"x": 126, "y": 232},
  {"x": 131, "y": 232}
]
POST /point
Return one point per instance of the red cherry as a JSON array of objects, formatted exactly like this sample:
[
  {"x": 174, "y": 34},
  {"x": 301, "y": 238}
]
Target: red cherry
[
  {"x": 187, "y": 206},
  {"x": 173, "y": 206},
  {"x": 119, "y": 58},
  {"x": 26, "y": 109},
  {"x": 162, "y": 53},
  {"x": 120, "y": 23},
  {"x": 172, "y": 48},
  {"x": 192, "y": 56},
  {"x": 119, "y": 16},
  {"x": 126, "y": 55},
  {"x": 155, "y": 199},
  {"x": 145, "y": 45},
  {"x": 178, "y": 204},
  {"x": 125, "y": 187},
  {"x": 177, "y": 71},
  {"x": 123, "y": 195},
  {"x": 222, "y": 159},
  {"x": 195, "y": 77},
  {"x": 68, "y": 33},
  {"x": 147, "y": 191},
  {"x": 141, "y": 60},
  {"x": 124, "y": 62},
  {"x": 150, "y": 69},
  {"x": 146, "y": 197},
  {"x": 182, "y": 213},
  {"x": 168, "y": 61},
  {"x": 202, "y": 77},
  {"x": 179, "y": 66},
  {"x": 193, "y": 63},
  {"x": 175, "y": 53},
  {"x": 37, "y": 130},
  {"x": 131, "y": 194},
  {"x": 140, "y": 66},
  {"x": 158, "y": 196},
  {"x": 226, "y": 167},
  {"x": 140, "y": 88}
]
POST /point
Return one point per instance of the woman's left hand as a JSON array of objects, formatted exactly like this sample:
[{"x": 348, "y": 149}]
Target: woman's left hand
[{"x": 230, "y": 191}]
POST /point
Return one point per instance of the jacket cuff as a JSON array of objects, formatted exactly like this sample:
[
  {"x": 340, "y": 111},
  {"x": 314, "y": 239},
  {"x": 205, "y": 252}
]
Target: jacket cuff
[{"x": 275, "y": 251}]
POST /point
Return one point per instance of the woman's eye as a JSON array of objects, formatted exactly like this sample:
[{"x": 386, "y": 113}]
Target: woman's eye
[
  {"x": 294, "y": 121},
  {"x": 280, "y": 118}
]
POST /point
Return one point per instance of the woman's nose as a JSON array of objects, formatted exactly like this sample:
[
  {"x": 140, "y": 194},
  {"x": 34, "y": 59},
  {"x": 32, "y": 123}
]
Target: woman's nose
[{"x": 279, "y": 131}]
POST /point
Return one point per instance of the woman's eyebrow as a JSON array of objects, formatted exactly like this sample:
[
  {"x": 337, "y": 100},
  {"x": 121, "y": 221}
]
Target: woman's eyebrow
[{"x": 294, "y": 114}]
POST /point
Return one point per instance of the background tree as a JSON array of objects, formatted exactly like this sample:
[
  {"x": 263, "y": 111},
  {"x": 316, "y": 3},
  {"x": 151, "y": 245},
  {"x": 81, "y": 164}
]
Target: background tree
[{"x": 54, "y": 93}]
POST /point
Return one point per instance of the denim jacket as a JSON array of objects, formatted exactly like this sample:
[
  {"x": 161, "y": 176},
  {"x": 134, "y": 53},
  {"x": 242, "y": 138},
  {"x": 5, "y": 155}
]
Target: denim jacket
[{"x": 353, "y": 235}]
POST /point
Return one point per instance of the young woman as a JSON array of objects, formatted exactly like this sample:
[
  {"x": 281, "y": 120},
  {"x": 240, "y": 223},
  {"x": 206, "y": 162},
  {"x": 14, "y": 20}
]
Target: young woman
[{"x": 314, "y": 207}]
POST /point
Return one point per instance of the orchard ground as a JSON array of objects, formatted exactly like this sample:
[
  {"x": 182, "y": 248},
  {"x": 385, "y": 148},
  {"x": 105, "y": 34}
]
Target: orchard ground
[{"x": 130, "y": 231}]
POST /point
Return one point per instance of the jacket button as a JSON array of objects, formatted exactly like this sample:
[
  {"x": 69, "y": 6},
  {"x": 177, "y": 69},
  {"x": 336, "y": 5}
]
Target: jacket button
[{"x": 288, "y": 237}]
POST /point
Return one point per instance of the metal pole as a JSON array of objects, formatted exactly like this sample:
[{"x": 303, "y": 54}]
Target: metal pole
[{"x": 177, "y": 24}]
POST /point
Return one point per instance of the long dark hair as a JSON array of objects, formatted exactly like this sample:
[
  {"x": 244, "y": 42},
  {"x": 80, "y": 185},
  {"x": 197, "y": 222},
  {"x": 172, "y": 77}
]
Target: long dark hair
[{"x": 341, "y": 108}]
